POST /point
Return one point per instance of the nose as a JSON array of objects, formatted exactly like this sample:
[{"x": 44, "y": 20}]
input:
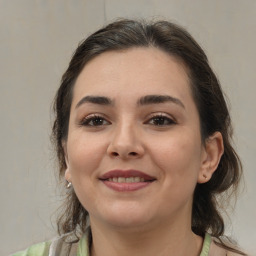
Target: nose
[{"x": 125, "y": 143}]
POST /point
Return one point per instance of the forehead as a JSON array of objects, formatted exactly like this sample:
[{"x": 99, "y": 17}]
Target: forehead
[{"x": 140, "y": 70}]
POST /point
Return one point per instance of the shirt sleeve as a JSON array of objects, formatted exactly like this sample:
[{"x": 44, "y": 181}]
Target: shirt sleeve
[{"x": 41, "y": 249}]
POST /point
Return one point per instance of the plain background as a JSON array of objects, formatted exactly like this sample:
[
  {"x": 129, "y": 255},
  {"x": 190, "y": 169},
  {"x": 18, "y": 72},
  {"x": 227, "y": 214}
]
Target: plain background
[{"x": 37, "y": 40}]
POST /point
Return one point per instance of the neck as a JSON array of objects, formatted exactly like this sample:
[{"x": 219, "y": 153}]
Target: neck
[{"x": 161, "y": 240}]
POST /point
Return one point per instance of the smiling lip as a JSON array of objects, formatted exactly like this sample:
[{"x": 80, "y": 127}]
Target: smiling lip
[{"x": 126, "y": 180}]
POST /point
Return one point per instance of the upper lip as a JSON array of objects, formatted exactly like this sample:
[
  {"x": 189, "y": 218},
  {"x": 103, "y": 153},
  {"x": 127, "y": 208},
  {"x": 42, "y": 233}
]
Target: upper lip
[{"x": 126, "y": 174}]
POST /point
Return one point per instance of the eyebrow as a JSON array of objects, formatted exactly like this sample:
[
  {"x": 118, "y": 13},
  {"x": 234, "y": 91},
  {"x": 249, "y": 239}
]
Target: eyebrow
[
  {"x": 146, "y": 100},
  {"x": 157, "y": 99},
  {"x": 100, "y": 100}
]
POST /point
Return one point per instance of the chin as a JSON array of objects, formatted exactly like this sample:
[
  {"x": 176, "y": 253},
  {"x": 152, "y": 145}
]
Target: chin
[{"x": 126, "y": 218}]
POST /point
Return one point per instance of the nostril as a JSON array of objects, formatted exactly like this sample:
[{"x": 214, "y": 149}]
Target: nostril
[
  {"x": 133, "y": 153},
  {"x": 114, "y": 153}
]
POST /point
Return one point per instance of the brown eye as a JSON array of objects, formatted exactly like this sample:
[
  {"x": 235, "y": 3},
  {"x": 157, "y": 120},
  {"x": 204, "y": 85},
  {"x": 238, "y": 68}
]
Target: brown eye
[
  {"x": 94, "y": 121},
  {"x": 161, "y": 121}
]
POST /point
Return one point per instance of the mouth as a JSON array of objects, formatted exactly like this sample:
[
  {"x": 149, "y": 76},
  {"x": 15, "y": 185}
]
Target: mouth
[{"x": 126, "y": 180}]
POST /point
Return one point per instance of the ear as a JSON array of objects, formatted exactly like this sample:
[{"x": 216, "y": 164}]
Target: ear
[
  {"x": 67, "y": 172},
  {"x": 211, "y": 155},
  {"x": 68, "y": 175}
]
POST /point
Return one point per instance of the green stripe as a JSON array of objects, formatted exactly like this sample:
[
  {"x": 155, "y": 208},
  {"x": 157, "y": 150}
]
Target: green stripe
[
  {"x": 41, "y": 249},
  {"x": 206, "y": 245}
]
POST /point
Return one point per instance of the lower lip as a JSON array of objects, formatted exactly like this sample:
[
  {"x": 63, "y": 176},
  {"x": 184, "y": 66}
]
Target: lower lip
[{"x": 125, "y": 187}]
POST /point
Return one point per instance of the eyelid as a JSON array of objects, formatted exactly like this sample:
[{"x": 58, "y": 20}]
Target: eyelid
[
  {"x": 160, "y": 114},
  {"x": 90, "y": 117}
]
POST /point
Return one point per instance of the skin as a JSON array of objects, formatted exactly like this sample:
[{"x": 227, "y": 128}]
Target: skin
[{"x": 130, "y": 136}]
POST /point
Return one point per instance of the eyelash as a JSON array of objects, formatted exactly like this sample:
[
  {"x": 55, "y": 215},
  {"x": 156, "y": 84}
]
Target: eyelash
[
  {"x": 98, "y": 120},
  {"x": 165, "y": 120},
  {"x": 93, "y": 118}
]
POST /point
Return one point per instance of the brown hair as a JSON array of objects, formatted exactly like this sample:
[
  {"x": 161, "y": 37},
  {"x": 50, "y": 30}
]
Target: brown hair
[{"x": 208, "y": 96}]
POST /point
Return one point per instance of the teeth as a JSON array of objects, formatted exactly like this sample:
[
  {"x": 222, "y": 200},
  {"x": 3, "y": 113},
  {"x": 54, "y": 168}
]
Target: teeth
[
  {"x": 121, "y": 180},
  {"x": 137, "y": 179},
  {"x": 131, "y": 179},
  {"x": 126, "y": 180}
]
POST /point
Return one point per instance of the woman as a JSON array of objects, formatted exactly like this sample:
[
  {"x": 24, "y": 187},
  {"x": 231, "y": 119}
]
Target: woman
[{"x": 142, "y": 133}]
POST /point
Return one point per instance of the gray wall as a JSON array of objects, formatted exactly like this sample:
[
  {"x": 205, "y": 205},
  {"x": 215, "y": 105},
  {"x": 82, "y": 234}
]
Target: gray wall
[{"x": 37, "y": 39}]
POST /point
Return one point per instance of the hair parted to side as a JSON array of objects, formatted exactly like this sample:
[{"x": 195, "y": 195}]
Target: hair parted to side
[{"x": 208, "y": 96}]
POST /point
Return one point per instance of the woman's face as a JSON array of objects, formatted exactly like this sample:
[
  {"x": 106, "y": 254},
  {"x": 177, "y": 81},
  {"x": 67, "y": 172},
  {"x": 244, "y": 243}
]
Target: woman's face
[{"x": 134, "y": 151}]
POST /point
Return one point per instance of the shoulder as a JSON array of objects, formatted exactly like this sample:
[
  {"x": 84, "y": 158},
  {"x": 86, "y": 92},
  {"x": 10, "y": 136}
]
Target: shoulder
[
  {"x": 62, "y": 245},
  {"x": 41, "y": 249},
  {"x": 217, "y": 249},
  {"x": 232, "y": 254}
]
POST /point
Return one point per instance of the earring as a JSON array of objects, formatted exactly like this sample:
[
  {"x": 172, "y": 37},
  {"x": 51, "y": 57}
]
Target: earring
[{"x": 69, "y": 185}]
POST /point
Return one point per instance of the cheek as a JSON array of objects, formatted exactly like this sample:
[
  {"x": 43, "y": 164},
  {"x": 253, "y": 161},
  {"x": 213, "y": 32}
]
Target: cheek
[
  {"x": 179, "y": 162},
  {"x": 179, "y": 156},
  {"x": 85, "y": 154}
]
